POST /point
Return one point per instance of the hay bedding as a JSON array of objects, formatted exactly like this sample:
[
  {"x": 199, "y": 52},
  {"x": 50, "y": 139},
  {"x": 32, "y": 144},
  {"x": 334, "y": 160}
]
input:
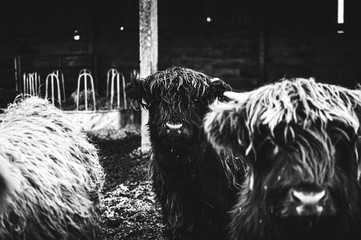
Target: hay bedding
[{"x": 129, "y": 209}]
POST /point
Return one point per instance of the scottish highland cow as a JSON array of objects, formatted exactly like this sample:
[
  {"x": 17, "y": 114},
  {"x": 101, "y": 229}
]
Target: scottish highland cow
[
  {"x": 301, "y": 142},
  {"x": 194, "y": 184},
  {"x": 49, "y": 175}
]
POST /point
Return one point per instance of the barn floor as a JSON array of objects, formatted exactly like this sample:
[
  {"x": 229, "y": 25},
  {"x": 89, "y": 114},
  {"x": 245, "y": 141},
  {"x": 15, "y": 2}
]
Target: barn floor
[{"x": 128, "y": 207}]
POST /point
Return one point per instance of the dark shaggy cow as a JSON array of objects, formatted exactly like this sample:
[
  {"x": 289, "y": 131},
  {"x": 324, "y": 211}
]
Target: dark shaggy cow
[
  {"x": 49, "y": 175},
  {"x": 194, "y": 185},
  {"x": 301, "y": 141}
]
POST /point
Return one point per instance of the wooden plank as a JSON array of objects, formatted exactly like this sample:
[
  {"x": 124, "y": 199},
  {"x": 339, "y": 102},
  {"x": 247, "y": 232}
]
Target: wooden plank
[{"x": 148, "y": 53}]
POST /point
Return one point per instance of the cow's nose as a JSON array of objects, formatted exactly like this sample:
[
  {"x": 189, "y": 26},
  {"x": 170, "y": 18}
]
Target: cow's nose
[
  {"x": 174, "y": 126},
  {"x": 308, "y": 197},
  {"x": 173, "y": 129},
  {"x": 309, "y": 202}
]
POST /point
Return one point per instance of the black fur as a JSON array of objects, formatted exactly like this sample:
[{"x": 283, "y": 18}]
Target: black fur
[
  {"x": 294, "y": 134},
  {"x": 257, "y": 215},
  {"x": 195, "y": 185}
]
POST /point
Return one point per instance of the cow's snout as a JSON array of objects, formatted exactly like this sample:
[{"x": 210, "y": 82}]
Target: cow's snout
[
  {"x": 174, "y": 129},
  {"x": 308, "y": 197},
  {"x": 310, "y": 202}
]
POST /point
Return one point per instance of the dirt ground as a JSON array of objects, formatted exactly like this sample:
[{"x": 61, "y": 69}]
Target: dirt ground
[{"x": 129, "y": 210}]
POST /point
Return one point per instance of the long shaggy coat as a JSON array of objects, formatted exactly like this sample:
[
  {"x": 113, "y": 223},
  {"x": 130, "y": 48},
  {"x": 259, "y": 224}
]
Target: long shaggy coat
[
  {"x": 49, "y": 175},
  {"x": 195, "y": 185},
  {"x": 295, "y": 134}
]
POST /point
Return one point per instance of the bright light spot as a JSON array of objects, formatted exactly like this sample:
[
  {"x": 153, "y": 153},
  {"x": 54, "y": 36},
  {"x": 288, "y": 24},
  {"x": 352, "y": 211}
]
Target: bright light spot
[
  {"x": 340, "y": 11},
  {"x": 121, "y": 28},
  {"x": 76, "y": 35},
  {"x": 340, "y": 31},
  {"x": 209, "y": 19}
]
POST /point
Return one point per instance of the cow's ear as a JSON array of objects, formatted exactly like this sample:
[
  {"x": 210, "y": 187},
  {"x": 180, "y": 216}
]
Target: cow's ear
[
  {"x": 358, "y": 144},
  {"x": 225, "y": 125},
  {"x": 217, "y": 88},
  {"x": 358, "y": 104},
  {"x": 136, "y": 93}
]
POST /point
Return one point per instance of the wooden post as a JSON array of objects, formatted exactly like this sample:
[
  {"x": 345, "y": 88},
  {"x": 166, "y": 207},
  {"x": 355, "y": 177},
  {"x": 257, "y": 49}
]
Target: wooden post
[{"x": 148, "y": 53}]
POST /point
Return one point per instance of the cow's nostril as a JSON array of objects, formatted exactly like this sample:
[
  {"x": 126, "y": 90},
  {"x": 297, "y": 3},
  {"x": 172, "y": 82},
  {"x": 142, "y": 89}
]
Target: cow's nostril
[{"x": 308, "y": 197}]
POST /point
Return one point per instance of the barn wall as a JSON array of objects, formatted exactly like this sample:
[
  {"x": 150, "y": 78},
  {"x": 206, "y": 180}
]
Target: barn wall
[
  {"x": 333, "y": 58},
  {"x": 232, "y": 58},
  {"x": 330, "y": 57},
  {"x": 69, "y": 56},
  {"x": 120, "y": 54}
]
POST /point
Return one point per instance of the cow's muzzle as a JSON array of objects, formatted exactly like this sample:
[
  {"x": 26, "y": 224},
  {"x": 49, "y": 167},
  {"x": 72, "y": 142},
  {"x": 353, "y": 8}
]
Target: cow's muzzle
[
  {"x": 174, "y": 129},
  {"x": 310, "y": 202}
]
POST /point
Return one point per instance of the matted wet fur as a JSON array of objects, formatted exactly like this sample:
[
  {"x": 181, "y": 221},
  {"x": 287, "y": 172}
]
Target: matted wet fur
[
  {"x": 301, "y": 141},
  {"x": 195, "y": 185},
  {"x": 49, "y": 175}
]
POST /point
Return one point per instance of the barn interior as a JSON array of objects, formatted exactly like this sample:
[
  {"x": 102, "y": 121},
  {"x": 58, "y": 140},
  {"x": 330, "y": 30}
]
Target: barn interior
[
  {"x": 246, "y": 43},
  {"x": 47, "y": 47}
]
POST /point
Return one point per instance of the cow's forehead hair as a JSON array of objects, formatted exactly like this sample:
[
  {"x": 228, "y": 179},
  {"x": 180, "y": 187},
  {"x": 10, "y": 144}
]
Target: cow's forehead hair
[
  {"x": 184, "y": 79},
  {"x": 300, "y": 101},
  {"x": 311, "y": 150}
]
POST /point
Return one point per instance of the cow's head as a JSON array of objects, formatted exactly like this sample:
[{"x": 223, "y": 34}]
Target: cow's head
[
  {"x": 301, "y": 140},
  {"x": 177, "y": 100}
]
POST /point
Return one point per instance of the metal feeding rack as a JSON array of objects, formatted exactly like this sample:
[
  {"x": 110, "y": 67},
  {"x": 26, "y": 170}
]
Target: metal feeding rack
[
  {"x": 85, "y": 75},
  {"x": 113, "y": 79},
  {"x": 31, "y": 83},
  {"x": 56, "y": 80}
]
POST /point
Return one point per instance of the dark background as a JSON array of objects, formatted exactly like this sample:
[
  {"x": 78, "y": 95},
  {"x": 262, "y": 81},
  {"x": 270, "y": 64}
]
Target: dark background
[{"x": 247, "y": 43}]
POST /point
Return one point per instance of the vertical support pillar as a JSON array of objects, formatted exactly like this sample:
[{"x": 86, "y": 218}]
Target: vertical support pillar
[{"x": 148, "y": 53}]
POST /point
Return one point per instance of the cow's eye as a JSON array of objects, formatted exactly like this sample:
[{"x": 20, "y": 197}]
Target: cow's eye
[
  {"x": 344, "y": 143},
  {"x": 269, "y": 148},
  {"x": 272, "y": 149},
  {"x": 193, "y": 102},
  {"x": 345, "y": 157}
]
